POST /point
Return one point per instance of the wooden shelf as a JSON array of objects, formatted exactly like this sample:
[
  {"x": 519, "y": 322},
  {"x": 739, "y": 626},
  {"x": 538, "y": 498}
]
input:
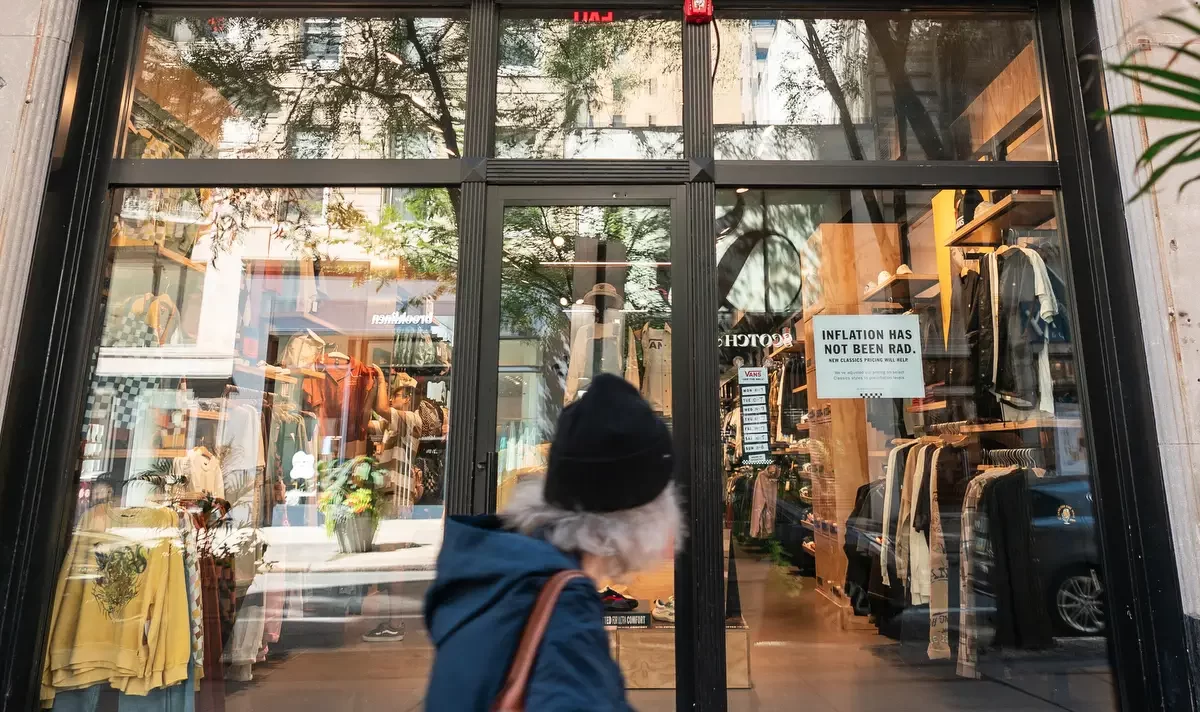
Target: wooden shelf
[
  {"x": 159, "y": 454},
  {"x": 794, "y": 347},
  {"x": 207, "y": 415},
  {"x": 927, "y": 407},
  {"x": 143, "y": 250},
  {"x": 1061, "y": 423},
  {"x": 800, "y": 389},
  {"x": 279, "y": 375},
  {"x": 901, "y": 288},
  {"x": 1017, "y": 210},
  {"x": 307, "y": 372}
]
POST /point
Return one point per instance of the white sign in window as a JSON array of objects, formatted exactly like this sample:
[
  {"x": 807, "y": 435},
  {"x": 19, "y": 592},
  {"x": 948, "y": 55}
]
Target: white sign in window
[{"x": 868, "y": 356}]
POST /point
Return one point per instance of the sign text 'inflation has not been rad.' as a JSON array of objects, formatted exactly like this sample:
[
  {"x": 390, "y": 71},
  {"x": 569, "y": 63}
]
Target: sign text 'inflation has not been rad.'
[{"x": 868, "y": 356}]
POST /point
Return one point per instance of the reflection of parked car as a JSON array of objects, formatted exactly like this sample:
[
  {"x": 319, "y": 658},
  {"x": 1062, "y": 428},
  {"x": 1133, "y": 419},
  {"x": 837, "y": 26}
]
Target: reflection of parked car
[{"x": 1067, "y": 555}]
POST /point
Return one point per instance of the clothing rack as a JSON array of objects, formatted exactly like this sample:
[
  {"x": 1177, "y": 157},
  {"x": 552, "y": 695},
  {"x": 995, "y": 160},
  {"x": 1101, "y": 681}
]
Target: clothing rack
[
  {"x": 1018, "y": 457},
  {"x": 951, "y": 428}
]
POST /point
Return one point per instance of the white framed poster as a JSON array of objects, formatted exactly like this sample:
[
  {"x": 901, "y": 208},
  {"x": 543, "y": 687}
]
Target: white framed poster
[{"x": 868, "y": 356}]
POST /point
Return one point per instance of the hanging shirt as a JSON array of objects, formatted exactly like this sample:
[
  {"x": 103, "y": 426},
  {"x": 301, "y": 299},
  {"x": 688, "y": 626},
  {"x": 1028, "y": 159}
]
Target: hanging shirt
[
  {"x": 241, "y": 432},
  {"x": 302, "y": 351},
  {"x": 120, "y": 612},
  {"x": 582, "y": 367},
  {"x": 656, "y": 379},
  {"x": 341, "y": 398}
]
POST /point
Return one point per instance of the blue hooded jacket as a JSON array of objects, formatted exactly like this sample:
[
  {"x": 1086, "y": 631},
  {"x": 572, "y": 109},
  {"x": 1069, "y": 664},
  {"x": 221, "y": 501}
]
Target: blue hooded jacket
[{"x": 487, "y": 581}]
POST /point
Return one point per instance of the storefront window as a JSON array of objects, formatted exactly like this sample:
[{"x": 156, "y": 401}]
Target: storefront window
[
  {"x": 589, "y": 84},
  {"x": 271, "y": 86},
  {"x": 909, "y": 504},
  {"x": 587, "y": 290},
  {"x": 263, "y": 461},
  {"x": 886, "y": 86}
]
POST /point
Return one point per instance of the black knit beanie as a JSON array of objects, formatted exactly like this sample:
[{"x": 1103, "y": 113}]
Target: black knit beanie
[{"x": 611, "y": 451}]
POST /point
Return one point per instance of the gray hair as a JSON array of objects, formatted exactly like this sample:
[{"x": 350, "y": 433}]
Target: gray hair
[{"x": 626, "y": 540}]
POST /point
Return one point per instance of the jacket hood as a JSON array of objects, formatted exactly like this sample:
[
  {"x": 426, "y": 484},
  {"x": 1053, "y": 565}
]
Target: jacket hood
[{"x": 479, "y": 562}]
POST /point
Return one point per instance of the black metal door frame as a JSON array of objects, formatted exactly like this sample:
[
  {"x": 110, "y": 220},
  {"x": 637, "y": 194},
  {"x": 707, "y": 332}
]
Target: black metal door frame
[{"x": 40, "y": 430}]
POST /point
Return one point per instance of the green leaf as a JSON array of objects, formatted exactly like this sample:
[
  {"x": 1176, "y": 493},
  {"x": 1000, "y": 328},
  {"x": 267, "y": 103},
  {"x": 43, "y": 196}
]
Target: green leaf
[
  {"x": 1181, "y": 23},
  {"x": 1183, "y": 51},
  {"x": 1157, "y": 111},
  {"x": 1183, "y": 156},
  {"x": 1186, "y": 183},
  {"x": 1130, "y": 68},
  {"x": 1158, "y": 146},
  {"x": 1166, "y": 89}
]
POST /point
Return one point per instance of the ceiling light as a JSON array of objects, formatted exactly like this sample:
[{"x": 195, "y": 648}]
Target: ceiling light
[
  {"x": 563, "y": 301},
  {"x": 739, "y": 191},
  {"x": 559, "y": 241},
  {"x": 394, "y": 59},
  {"x": 579, "y": 301}
]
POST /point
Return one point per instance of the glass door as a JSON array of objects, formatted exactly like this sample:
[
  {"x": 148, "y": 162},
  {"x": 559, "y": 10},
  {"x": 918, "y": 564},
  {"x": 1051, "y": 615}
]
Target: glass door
[{"x": 579, "y": 283}]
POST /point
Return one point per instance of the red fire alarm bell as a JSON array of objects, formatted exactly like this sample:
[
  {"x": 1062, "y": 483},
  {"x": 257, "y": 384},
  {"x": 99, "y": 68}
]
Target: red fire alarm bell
[{"x": 698, "y": 11}]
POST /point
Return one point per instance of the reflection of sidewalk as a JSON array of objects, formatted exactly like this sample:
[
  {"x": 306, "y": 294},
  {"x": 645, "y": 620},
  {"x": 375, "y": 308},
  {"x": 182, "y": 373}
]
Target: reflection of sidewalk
[{"x": 405, "y": 550}]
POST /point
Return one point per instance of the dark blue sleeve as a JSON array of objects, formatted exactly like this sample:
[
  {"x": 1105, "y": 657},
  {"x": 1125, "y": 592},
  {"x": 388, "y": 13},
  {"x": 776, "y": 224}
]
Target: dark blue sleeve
[{"x": 574, "y": 671}]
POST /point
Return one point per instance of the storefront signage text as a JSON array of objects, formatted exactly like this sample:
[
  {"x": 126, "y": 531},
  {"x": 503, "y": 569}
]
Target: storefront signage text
[
  {"x": 593, "y": 16},
  {"x": 755, "y": 340},
  {"x": 398, "y": 319}
]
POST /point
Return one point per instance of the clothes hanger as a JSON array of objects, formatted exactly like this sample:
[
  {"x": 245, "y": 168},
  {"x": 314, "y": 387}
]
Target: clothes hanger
[{"x": 313, "y": 335}]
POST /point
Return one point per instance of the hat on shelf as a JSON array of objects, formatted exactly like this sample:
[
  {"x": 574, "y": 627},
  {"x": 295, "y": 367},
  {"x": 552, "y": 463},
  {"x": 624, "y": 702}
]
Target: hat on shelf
[
  {"x": 602, "y": 289},
  {"x": 611, "y": 451}
]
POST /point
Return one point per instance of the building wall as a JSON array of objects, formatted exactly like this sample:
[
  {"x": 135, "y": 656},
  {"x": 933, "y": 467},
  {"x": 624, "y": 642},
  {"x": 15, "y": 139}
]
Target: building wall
[
  {"x": 1166, "y": 252},
  {"x": 35, "y": 38}
]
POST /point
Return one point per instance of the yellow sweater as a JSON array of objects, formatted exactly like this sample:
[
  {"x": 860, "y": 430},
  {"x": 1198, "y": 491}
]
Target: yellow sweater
[{"x": 121, "y": 609}]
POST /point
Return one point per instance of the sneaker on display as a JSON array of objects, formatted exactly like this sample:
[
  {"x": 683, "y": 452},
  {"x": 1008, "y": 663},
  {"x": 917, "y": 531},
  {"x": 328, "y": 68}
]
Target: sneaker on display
[
  {"x": 664, "y": 610},
  {"x": 385, "y": 632},
  {"x": 616, "y": 603}
]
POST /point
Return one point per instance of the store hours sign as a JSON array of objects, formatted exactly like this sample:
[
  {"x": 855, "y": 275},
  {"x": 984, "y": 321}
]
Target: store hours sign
[
  {"x": 752, "y": 394},
  {"x": 868, "y": 356}
]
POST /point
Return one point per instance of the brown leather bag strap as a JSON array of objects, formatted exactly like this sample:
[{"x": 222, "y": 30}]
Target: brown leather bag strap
[{"x": 512, "y": 694}]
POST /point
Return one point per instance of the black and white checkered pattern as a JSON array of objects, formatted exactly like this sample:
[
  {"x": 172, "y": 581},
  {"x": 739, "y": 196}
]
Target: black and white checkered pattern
[
  {"x": 118, "y": 399},
  {"x": 127, "y": 330}
]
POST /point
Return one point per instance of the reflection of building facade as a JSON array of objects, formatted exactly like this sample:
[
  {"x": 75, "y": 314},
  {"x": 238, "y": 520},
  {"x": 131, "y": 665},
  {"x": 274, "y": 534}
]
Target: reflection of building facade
[{"x": 309, "y": 281}]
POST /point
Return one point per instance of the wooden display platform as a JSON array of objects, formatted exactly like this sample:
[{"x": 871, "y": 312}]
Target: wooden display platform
[{"x": 646, "y": 656}]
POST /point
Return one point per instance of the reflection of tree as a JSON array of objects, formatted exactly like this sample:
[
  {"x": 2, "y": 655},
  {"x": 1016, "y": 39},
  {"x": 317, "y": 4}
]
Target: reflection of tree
[
  {"x": 532, "y": 293},
  {"x": 396, "y": 79},
  {"x": 572, "y": 71},
  {"x": 403, "y": 79}
]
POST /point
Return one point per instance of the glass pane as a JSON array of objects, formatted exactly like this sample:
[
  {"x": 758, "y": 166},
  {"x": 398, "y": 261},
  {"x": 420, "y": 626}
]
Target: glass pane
[
  {"x": 270, "y": 86},
  {"x": 584, "y": 291},
  {"x": 900, "y": 86},
  {"x": 589, "y": 84},
  {"x": 909, "y": 504},
  {"x": 262, "y": 469}
]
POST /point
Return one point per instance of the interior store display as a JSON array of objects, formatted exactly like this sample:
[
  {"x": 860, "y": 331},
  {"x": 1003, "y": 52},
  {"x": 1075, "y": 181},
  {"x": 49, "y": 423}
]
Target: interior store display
[
  {"x": 267, "y": 468},
  {"x": 918, "y": 515},
  {"x": 201, "y": 480}
]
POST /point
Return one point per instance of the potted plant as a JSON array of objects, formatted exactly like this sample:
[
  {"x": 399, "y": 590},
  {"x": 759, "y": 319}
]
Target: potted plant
[{"x": 349, "y": 500}]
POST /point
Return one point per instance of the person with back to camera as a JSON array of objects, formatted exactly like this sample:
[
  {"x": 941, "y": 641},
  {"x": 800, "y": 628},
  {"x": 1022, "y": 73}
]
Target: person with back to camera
[{"x": 607, "y": 506}]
